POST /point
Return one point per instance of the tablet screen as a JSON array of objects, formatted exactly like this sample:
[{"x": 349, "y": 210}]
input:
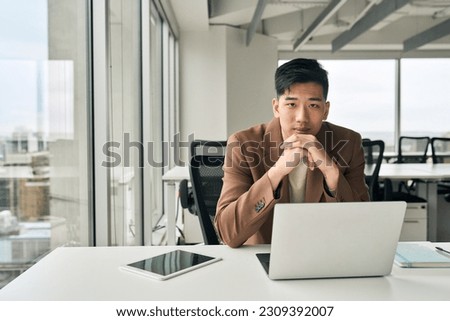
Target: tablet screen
[{"x": 172, "y": 262}]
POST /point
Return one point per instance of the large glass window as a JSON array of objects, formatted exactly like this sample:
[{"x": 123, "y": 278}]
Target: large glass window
[
  {"x": 154, "y": 136},
  {"x": 125, "y": 118},
  {"x": 47, "y": 132},
  {"x": 44, "y": 130},
  {"x": 362, "y": 97},
  {"x": 425, "y": 97},
  {"x": 141, "y": 116}
]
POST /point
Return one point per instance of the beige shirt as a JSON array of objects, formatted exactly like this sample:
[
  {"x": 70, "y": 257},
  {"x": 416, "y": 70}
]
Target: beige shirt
[{"x": 297, "y": 183}]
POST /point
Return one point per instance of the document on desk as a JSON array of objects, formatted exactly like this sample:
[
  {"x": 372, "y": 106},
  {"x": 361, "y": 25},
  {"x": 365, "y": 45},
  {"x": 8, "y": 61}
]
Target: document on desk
[
  {"x": 168, "y": 265},
  {"x": 415, "y": 255}
]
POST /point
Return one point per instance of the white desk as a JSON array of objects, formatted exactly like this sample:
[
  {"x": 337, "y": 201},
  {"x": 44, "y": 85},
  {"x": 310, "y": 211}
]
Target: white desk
[
  {"x": 172, "y": 180},
  {"x": 431, "y": 174},
  {"x": 93, "y": 274}
]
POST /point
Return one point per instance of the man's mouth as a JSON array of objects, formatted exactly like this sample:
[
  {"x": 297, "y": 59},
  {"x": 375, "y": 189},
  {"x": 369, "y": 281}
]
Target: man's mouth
[{"x": 302, "y": 130}]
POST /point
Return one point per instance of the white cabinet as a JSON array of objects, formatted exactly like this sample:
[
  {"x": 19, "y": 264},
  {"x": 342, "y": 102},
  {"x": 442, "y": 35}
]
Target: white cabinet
[{"x": 415, "y": 223}]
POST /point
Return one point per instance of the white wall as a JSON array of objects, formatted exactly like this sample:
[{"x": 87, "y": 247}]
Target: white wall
[
  {"x": 250, "y": 79},
  {"x": 203, "y": 93},
  {"x": 225, "y": 86}
]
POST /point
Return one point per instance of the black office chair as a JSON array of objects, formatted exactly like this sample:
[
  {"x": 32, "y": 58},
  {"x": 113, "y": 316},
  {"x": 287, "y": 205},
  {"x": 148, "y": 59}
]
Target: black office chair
[
  {"x": 412, "y": 149},
  {"x": 440, "y": 151},
  {"x": 199, "y": 147},
  {"x": 207, "y": 148},
  {"x": 206, "y": 178},
  {"x": 373, "y": 153}
]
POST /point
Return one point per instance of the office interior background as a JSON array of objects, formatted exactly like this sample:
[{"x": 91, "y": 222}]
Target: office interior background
[{"x": 95, "y": 95}]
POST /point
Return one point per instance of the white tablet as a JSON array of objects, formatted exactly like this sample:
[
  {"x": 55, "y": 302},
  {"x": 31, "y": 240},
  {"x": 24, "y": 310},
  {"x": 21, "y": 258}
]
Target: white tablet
[{"x": 168, "y": 265}]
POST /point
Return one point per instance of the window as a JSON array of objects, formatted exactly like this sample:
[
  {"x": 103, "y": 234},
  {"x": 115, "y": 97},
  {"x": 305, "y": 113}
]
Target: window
[
  {"x": 138, "y": 106},
  {"x": 153, "y": 116},
  {"x": 125, "y": 120},
  {"x": 362, "y": 97},
  {"x": 44, "y": 129},
  {"x": 425, "y": 97},
  {"x": 47, "y": 132}
]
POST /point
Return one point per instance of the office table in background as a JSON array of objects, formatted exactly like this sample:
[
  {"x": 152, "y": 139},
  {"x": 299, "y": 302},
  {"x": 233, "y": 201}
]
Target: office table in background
[
  {"x": 92, "y": 273},
  {"x": 431, "y": 175},
  {"x": 172, "y": 180}
]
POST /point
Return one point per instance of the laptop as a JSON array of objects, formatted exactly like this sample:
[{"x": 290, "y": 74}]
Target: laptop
[{"x": 333, "y": 240}]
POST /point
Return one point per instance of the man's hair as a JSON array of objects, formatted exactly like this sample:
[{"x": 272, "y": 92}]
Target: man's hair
[{"x": 300, "y": 70}]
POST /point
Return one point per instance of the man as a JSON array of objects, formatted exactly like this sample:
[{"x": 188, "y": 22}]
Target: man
[{"x": 296, "y": 157}]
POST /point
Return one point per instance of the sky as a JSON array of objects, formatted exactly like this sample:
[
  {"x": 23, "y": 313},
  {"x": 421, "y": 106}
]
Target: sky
[{"x": 23, "y": 43}]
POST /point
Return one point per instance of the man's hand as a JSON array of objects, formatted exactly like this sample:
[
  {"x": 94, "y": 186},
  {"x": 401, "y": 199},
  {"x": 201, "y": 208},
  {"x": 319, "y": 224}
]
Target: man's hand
[{"x": 304, "y": 148}]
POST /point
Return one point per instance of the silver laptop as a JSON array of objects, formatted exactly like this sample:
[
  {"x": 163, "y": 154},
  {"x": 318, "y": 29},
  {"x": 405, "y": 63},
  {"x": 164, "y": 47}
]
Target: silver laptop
[{"x": 330, "y": 240}]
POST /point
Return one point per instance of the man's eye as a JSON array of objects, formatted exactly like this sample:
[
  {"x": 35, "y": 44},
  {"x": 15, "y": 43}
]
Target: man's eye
[
  {"x": 314, "y": 106},
  {"x": 291, "y": 105}
]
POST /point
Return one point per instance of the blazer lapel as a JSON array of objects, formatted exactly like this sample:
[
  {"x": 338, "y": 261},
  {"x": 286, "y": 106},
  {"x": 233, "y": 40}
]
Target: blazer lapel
[
  {"x": 314, "y": 179},
  {"x": 272, "y": 151},
  {"x": 271, "y": 143}
]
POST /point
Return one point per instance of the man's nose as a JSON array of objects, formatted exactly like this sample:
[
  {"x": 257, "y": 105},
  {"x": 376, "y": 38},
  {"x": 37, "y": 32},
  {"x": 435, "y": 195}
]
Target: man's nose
[{"x": 302, "y": 114}]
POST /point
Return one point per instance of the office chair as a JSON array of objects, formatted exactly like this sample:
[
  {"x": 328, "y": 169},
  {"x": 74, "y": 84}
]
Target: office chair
[
  {"x": 206, "y": 178},
  {"x": 207, "y": 148},
  {"x": 412, "y": 149},
  {"x": 373, "y": 153},
  {"x": 198, "y": 147},
  {"x": 440, "y": 151}
]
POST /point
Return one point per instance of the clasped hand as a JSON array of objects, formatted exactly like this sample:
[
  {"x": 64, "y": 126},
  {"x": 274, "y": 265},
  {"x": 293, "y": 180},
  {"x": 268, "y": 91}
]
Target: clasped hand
[
  {"x": 305, "y": 148},
  {"x": 302, "y": 148}
]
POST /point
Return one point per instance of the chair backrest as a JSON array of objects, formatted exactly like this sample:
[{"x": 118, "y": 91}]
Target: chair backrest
[
  {"x": 440, "y": 149},
  {"x": 199, "y": 147},
  {"x": 373, "y": 153},
  {"x": 207, "y": 147},
  {"x": 206, "y": 178},
  {"x": 413, "y": 149}
]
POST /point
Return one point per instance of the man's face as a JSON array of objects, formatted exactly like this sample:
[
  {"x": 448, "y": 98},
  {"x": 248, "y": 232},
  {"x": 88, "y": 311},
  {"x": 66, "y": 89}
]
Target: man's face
[{"x": 301, "y": 109}]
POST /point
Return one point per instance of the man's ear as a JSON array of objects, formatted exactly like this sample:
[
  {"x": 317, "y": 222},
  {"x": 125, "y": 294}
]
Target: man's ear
[
  {"x": 275, "y": 107},
  {"x": 326, "y": 111}
]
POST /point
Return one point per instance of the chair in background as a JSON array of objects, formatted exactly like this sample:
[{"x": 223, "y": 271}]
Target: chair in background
[
  {"x": 373, "y": 153},
  {"x": 205, "y": 169},
  {"x": 412, "y": 149},
  {"x": 199, "y": 147},
  {"x": 440, "y": 151},
  {"x": 207, "y": 147},
  {"x": 206, "y": 178}
]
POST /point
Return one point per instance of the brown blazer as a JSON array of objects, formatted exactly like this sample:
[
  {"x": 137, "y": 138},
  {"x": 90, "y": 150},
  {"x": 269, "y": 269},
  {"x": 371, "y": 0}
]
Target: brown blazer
[{"x": 245, "y": 208}]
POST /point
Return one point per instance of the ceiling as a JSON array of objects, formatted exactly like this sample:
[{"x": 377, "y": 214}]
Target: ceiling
[{"x": 332, "y": 27}]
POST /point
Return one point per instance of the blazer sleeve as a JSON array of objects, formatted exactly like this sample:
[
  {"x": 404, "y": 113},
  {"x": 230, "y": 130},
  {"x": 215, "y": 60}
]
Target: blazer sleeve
[
  {"x": 247, "y": 198},
  {"x": 351, "y": 184}
]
